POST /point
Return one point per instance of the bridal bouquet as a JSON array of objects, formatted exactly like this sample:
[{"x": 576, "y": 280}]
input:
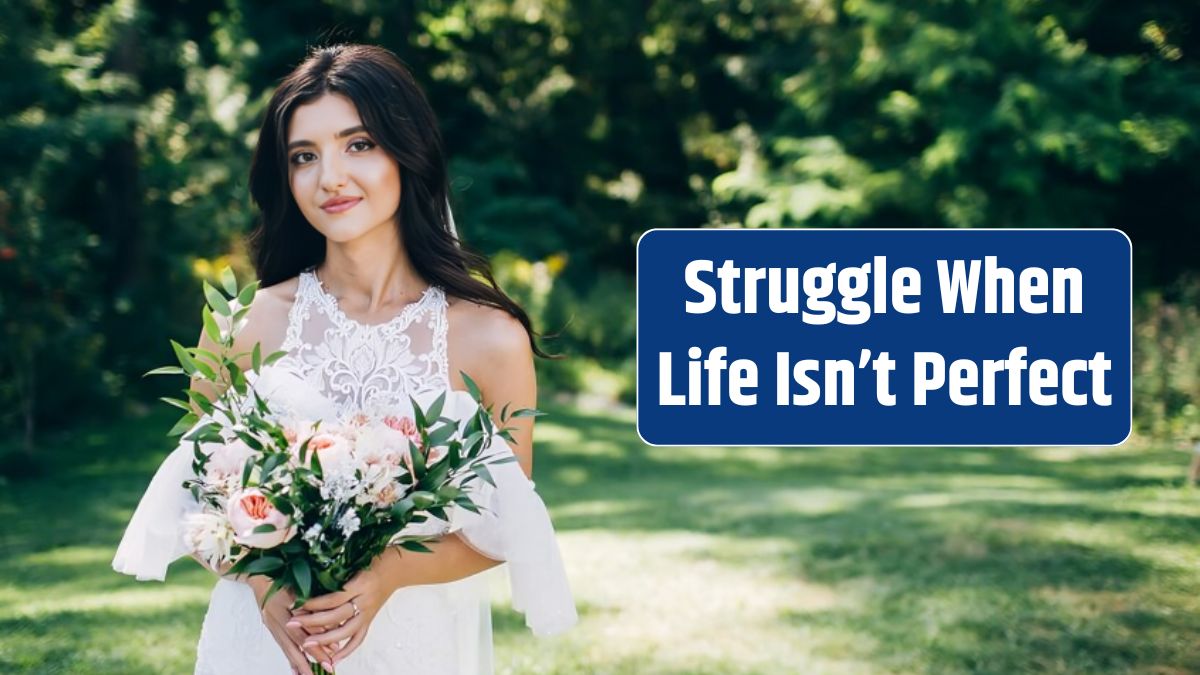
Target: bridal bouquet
[{"x": 310, "y": 503}]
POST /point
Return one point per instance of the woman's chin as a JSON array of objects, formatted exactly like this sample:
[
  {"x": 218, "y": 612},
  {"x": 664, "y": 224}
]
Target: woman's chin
[{"x": 345, "y": 232}]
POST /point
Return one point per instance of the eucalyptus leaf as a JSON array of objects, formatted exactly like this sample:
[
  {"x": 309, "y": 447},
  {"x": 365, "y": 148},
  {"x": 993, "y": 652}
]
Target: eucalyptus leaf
[
  {"x": 183, "y": 424},
  {"x": 415, "y": 546},
  {"x": 217, "y": 301},
  {"x": 246, "y": 295},
  {"x": 472, "y": 388},
  {"x": 211, "y": 329},
  {"x": 176, "y": 402},
  {"x": 229, "y": 281}
]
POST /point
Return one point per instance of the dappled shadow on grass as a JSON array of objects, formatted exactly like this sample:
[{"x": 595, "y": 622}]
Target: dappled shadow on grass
[
  {"x": 941, "y": 559},
  {"x": 108, "y": 640},
  {"x": 950, "y": 560}
]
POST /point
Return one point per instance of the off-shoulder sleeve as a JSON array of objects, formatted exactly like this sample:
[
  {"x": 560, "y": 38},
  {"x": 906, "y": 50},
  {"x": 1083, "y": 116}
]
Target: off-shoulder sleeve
[
  {"x": 514, "y": 526},
  {"x": 154, "y": 537}
]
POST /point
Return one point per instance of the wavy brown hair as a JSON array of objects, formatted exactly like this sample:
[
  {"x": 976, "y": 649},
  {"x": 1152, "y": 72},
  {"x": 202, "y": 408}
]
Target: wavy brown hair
[{"x": 396, "y": 113}]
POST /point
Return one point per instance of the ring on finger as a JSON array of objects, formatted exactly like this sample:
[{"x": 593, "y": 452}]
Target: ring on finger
[{"x": 357, "y": 611}]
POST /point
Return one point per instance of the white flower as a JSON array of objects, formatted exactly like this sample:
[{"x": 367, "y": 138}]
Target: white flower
[
  {"x": 340, "y": 488},
  {"x": 312, "y": 534},
  {"x": 349, "y": 523},
  {"x": 210, "y": 536}
]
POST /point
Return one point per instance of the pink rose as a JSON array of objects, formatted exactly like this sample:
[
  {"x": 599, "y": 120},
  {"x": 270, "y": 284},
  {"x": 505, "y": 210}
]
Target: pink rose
[
  {"x": 227, "y": 461},
  {"x": 408, "y": 427},
  {"x": 334, "y": 450},
  {"x": 405, "y": 425},
  {"x": 249, "y": 509}
]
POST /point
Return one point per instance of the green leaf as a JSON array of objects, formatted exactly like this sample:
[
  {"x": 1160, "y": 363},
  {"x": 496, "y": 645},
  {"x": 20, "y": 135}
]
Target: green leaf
[
  {"x": 315, "y": 464},
  {"x": 208, "y": 357},
  {"x": 217, "y": 301},
  {"x": 205, "y": 370},
  {"x": 236, "y": 376},
  {"x": 274, "y": 357},
  {"x": 402, "y": 508},
  {"x": 472, "y": 388},
  {"x": 274, "y": 462},
  {"x": 201, "y": 401},
  {"x": 176, "y": 402},
  {"x": 415, "y": 546},
  {"x": 183, "y": 424},
  {"x": 418, "y": 459},
  {"x": 435, "y": 410},
  {"x": 185, "y": 359},
  {"x": 264, "y": 528},
  {"x": 449, "y": 493},
  {"x": 249, "y": 439},
  {"x": 418, "y": 414},
  {"x": 328, "y": 583},
  {"x": 482, "y": 472},
  {"x": 528, "y": 412},
  {"x": 466, "y": 503},
  {"x": 256, "y": 357},
  {"x": 229, "y": 282},
  {"x": 211, "y": 329},
  {"x": 470, "y": 443},
  {"x": 165, "y": 370},
  {"x": 283, "y": 505},
  {"x": 440, "y": 435},
  {"x": 303, "y": 576},
  {"x": 247, "y": 469},
  {"x": 276, "y": 586},
  {"x": 264, "y": 565},
  {"x": 246, "y": 295},
  {"x": 203, "y": 432}
]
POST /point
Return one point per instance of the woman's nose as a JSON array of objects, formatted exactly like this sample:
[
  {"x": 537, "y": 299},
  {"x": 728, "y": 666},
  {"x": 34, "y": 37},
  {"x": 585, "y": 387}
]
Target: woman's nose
[{"x": 333, "y": 175}]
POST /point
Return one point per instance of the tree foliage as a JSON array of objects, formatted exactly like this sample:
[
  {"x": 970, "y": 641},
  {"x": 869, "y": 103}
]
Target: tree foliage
[{"x": 573, "y": 127}]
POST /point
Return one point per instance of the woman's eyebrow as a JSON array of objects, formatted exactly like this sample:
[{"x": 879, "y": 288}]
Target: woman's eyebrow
[{"x": 341, "y": 134}]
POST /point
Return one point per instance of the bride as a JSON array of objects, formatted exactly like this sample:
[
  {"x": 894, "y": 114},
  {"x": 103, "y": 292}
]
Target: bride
[{"x": 367, "y": 290}]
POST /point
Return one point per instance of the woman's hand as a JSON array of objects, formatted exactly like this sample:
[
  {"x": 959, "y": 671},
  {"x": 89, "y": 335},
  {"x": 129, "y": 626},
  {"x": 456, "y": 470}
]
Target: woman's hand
[
  {"x": 276, "y": 616},
  {"x": 338, "y": 622}
]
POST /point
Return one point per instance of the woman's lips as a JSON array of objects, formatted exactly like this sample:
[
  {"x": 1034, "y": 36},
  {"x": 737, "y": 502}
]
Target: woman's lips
[{"x": 342, "y": 206}]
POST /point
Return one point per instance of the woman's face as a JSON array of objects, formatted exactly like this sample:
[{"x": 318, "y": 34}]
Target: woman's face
[{"x": 332, "y": 159}]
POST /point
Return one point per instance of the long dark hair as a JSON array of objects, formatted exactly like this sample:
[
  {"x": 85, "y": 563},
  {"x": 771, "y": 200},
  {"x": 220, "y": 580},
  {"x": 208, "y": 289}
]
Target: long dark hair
[{"x": 396, "y": 113}]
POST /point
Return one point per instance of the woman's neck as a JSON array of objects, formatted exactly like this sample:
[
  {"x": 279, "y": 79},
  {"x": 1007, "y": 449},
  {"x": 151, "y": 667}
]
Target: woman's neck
[{"x": 370, "y": 274}]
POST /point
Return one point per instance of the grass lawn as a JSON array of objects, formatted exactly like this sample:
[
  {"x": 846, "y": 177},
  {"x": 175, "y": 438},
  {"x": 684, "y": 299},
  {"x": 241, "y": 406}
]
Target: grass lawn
[{"x": 707, "y": 560}]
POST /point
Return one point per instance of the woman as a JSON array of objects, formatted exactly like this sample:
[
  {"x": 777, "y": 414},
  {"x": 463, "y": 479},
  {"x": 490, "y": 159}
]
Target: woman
[{"x": 367, "y": 290}]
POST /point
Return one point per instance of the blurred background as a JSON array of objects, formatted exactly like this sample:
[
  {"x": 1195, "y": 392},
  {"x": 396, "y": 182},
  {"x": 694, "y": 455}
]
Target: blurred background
[{"x": 572, "y": 127}]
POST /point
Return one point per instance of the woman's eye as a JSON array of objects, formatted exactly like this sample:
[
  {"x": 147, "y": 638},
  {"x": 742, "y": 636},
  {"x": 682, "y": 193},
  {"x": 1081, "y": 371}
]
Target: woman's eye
[
  {"x": 367, "y": 145},
  {"x": 297, "y": 158}
]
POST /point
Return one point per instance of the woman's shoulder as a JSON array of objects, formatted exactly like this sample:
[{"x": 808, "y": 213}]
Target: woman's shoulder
[
  {"x": 485, "y": 331},
  {"x": 267, "y": 320}
]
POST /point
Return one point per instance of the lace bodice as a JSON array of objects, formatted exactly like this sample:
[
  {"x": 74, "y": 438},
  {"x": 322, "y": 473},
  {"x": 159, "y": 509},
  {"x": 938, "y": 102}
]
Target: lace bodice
[{"x": 365, "y": 367}]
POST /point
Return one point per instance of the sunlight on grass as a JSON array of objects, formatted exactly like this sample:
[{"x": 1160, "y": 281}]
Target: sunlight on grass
[{"x": 709, "y": 561}]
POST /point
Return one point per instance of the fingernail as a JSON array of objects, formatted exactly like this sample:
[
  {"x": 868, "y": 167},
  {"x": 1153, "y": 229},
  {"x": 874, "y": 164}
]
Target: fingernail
[
  {"x": 328, "y": 665},
  {"x": 293, "y": 624}
]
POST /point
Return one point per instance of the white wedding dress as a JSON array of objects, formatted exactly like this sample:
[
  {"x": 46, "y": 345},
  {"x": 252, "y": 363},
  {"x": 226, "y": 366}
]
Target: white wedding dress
[{"x": 334, "y": 368}]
